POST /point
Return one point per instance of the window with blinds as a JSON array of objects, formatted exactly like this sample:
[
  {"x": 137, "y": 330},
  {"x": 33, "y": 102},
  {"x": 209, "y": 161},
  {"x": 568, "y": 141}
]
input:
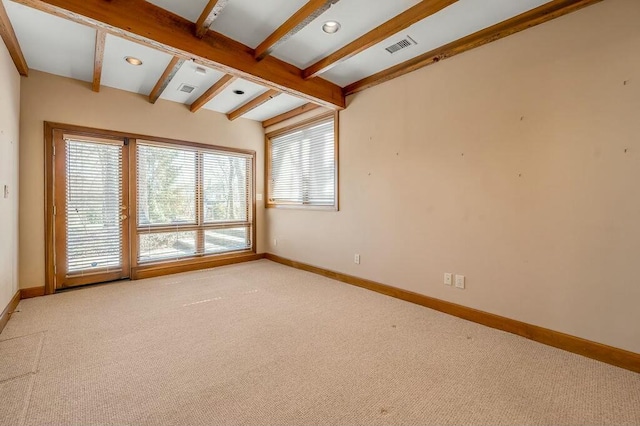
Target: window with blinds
[
  {"x": 93, "y": 200},
  {"x": 302, "y": 166},
  {"x": 192, "y": 202}
]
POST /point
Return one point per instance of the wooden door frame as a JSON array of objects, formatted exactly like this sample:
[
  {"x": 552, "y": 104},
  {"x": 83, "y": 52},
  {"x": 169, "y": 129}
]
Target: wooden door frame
[
  {"x": 63, "y": 278},
  {"x": 135, "y": 271},
  {"x": 53, "y": 132}
]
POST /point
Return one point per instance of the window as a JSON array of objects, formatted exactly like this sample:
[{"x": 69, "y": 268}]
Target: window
[
  {"x": 192, "y": 201},
  {"x": 120, "y": 205},
  {"x": 302, "y": 169}
]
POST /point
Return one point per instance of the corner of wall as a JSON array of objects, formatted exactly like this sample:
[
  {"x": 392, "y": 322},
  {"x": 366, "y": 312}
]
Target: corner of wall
[{"x": 9, "y": 148}]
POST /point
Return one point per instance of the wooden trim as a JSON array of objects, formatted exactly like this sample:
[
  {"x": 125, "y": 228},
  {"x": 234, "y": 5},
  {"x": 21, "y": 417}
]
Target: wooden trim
[
  {"x": 98, "y": 59},
  {"x": 143, "y": 22},
  {"x": 133, "y": 204},
  {"x": 252, "y": 104},
  {"x": 217, "y": 88},
  {"x": 254, "y": 217},
  {"x": 206, "y": 226},
  {"x": 404, "y": 20},
  {"x": 11, "y": 41},
  {"x": 28, "y": 293},
  {"x": 156, "y": 270},
  {"x": 59, "y": 202},
  {"x": 608, "y": 354},
  {"x": 90, "y": 131},
  {"x": 127, "y": 223},
  {"x": 8, "y": 310},
  {"x": 166, "y": 77},
  {"x": 49, "y": 252},
  {"x": 300, "y": 124},
  {"x": 303, "y": 17},
  {"x": 289, "y": 114},
  {"x": 208, "y": 15},
  {"x": 71, "y": 281},
  {"x": 553, "y": 9}
]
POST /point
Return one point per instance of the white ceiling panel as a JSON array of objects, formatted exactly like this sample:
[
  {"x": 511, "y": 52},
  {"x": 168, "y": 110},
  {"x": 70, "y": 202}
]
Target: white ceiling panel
[
  {"x": 53, "y": 44},
  {"x": 275, "y": 106},
  {"x": 118, "y": 73},
  {"x": 251, "y": 21},
  {"x": 356, "y": 17},
  {"x": 456, "y": 21},
  {"x": 188, "y": 9},
  {"x": 227, "y": 101},
  {"x": 187, "y": 75}
]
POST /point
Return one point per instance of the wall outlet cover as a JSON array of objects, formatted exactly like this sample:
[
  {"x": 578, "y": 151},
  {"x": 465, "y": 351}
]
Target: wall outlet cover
[{"x": 448, "y": 278}]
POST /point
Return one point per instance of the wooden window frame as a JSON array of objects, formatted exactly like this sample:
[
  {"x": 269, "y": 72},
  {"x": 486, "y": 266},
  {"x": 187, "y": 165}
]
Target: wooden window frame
[
  {"x": 145, "y": 270},
  {"x": 267, "y": 158}
]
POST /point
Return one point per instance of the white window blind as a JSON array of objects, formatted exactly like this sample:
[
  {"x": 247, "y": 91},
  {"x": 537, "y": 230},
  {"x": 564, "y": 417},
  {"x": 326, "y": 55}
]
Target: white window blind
[
  {"x": 93, "y": 200},
  {"x": 302, "y": 166},
  {"x": 192, "y": 202}
]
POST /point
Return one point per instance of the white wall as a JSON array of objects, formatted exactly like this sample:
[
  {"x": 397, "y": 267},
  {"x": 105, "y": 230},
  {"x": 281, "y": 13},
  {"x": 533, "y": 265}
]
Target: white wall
[
  {"x": 9, "y": 126},
  {"x": 46, "y": 97},
  {"x": 516, "y": 164}
]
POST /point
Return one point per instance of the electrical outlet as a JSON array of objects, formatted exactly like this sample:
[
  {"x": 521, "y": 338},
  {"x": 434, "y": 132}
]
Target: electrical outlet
[
  {"x": 448, "y": 278},
  {"x": 460, "y": 281},
  {"x": 356, "y": 259}
]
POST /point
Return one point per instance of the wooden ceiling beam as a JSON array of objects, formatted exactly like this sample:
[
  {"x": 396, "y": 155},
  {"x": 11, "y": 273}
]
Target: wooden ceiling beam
[
  {"x": 307, "y": 13},
  {"x": 289, "y": 114},
  {"x": 166, "y": 77},
  {"x": 539, "y": 15},
  {"x": 252, "y": 104},
  {"x": 209, "y": 14},
  {"x": 400, "y": 22},
  {"x": 11, "y": 41},
  {"x": 170, "y": 33},
  {"x": 212, "y": 92},
  {"x": 98, "y": 58}
]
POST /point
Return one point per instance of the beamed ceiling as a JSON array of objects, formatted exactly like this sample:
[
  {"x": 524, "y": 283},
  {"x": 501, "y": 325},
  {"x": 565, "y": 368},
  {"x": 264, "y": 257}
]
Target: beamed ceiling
[{"x": 255, "y": 59}]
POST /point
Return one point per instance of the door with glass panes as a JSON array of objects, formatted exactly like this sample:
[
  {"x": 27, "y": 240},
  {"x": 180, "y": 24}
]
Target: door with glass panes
[{"x": 91, "y": 208}]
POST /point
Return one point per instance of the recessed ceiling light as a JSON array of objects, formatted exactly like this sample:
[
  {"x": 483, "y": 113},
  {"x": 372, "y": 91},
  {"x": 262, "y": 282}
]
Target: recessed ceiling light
[
  {"x": 239, "y": 92},
  {"x": 133, "y": 61},
  {"x": 331, "y": 27}
]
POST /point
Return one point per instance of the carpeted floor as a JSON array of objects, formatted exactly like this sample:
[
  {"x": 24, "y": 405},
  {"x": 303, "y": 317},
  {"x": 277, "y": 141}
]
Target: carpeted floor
[{"x": 261, "y": 343}]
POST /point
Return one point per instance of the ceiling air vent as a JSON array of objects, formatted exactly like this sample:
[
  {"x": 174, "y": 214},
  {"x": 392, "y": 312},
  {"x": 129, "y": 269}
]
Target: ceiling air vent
[
  {"x": 186, "y": 88},
  {"x": 402, "y": 44}
]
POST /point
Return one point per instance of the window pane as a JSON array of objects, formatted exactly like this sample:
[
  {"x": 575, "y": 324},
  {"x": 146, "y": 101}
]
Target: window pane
[
  {"x": 226, "y": 190},
  {"x": 303, "y": 166},
  {"x": 94, "y": 197},
  {"x": 166, "y": 186},
  {"x": 166, "y": 245},
  {"x": 229, "y": 239},
  {"x": 184, "y": 194}
]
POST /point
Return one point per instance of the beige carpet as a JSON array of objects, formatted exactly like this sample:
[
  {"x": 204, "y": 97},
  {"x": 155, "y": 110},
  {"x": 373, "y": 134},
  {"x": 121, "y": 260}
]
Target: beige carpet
[{"x": 261, "y": 343}]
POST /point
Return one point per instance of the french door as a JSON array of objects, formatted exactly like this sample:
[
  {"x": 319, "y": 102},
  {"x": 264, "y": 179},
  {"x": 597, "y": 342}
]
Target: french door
[{"x": 91, "y": 209}]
